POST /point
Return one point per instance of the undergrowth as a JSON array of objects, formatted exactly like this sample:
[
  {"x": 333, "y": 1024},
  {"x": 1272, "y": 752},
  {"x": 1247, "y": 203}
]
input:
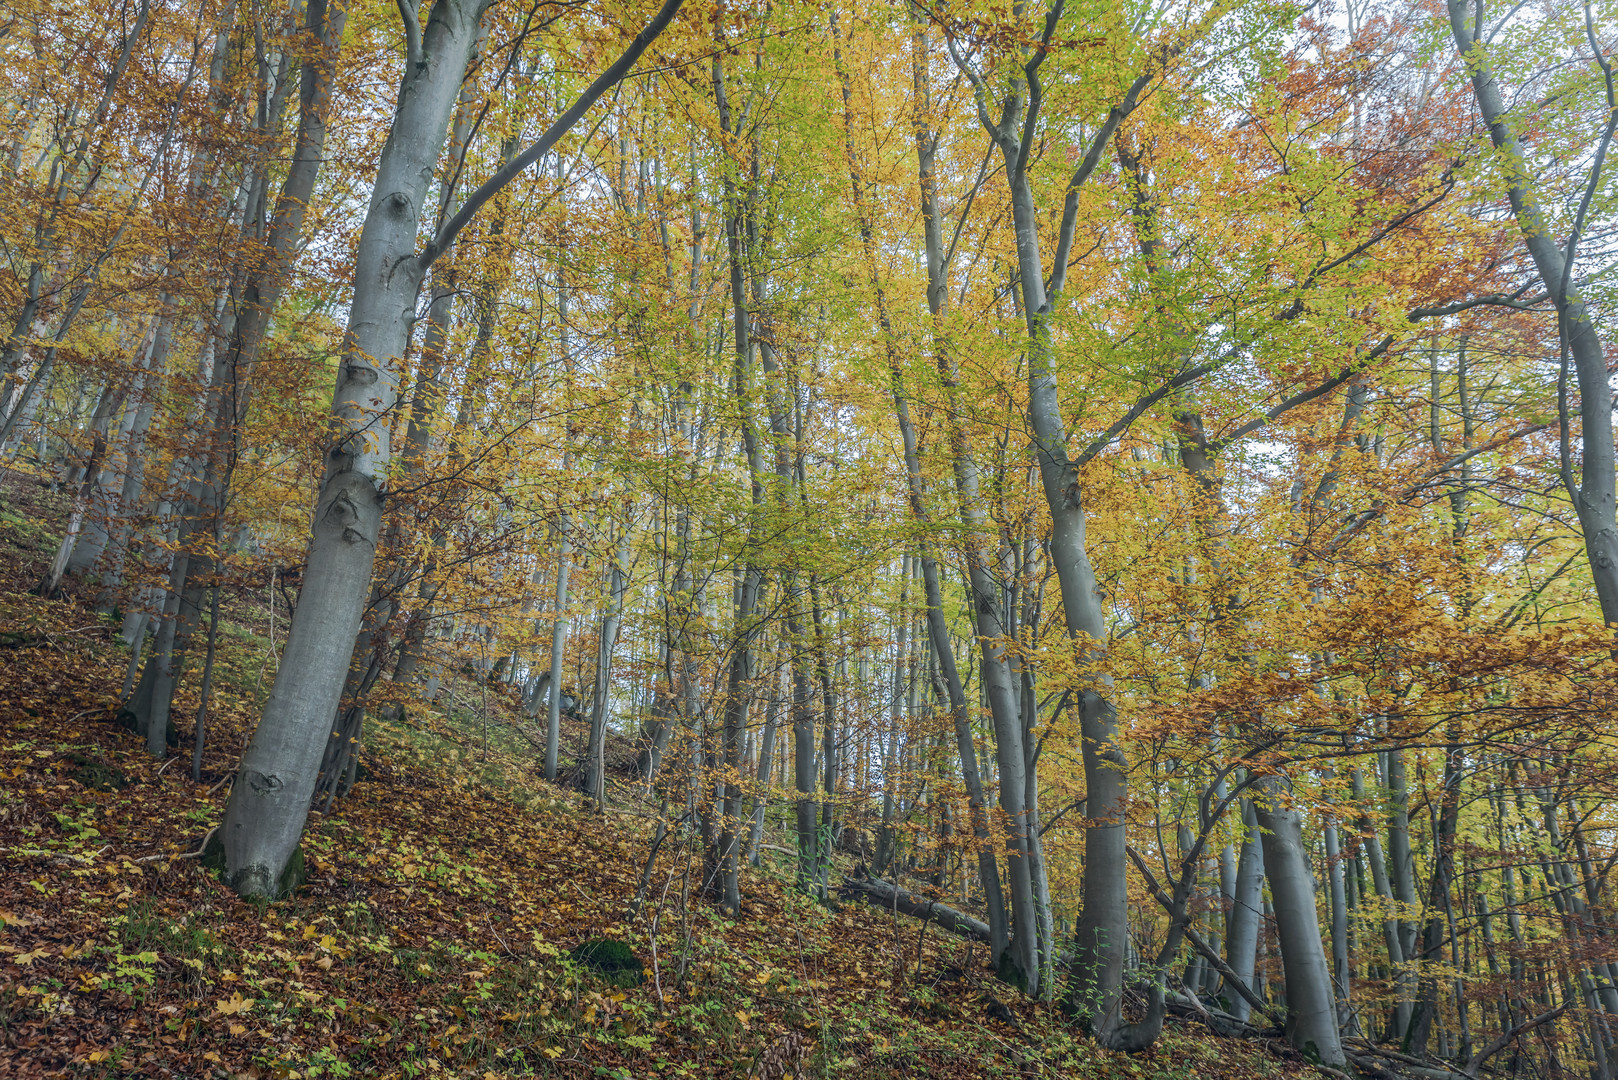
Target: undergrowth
[{"x": 435, "y": 936}]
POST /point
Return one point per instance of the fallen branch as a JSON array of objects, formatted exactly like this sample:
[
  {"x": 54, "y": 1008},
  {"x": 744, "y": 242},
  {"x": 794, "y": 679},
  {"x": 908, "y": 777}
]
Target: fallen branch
[
  {"x": 1409, "y": 1066},
  {"x": 61, "y": 858},
  {"x": 1217, "y": 1021},
  {"x": 197, "y": 854},
  {"x": 1214, "y": 960},
  {"x": 1509, "y": 1037},
  {"x": 889, "y": 897}
]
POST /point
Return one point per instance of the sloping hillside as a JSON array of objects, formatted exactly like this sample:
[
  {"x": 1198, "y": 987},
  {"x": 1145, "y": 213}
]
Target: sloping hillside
[{"x": 434, "y": 934}]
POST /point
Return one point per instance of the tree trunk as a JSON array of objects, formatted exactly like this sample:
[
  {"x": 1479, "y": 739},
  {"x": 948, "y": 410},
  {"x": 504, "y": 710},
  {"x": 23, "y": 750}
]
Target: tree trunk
[
  {"x": 1311, "y": 1005},
  {"x": 1593, "y": 494},
  {"x": 618, "y": 584},
  {"x": 270, "y": 800},
  {"x": 1246, "y": 913}
]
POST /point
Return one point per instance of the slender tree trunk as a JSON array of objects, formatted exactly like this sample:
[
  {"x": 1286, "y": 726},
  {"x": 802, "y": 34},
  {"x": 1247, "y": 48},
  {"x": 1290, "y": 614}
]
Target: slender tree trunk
[
  {"x": 1593, "y": 493},
  {"x": 1247, "y": 915},
  {"x": 618, "y": 584}
]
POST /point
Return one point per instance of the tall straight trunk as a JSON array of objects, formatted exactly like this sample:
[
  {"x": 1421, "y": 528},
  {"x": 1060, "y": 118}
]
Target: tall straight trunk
[
  {"x": 1312, "y": 1020},
  {"x": 270, "y": 801},
  {"x": 1018, "y": 960},
  {"x": 1592, "y": 493},
  {"x": 1247, "y": 915},
  {"x": 830, "y": 747},
  {"x": 564, "y": 527},
  {"x": 1391, "y": 937},
  {"x": 1439, "y": 900},
  {"x": 230, "y": 375},
  {"x": 1102, "y": 932},
  {"x": 132, "y": 491},
  {"x": 938, "y": 631},
  {"x": 766, "y": 762},
  {"x": 1338, "y": 899},
  {"x": 1311, "y": 1004},
  {"x": 260, "y": 295},
  {"x": 111, "y": 403},
  {"x": 749, "y": 292},
  {"x": 890, "y": 739},
  {"x": 1401, "y": 863},
  {"x": 618, "y": 584},
  {"x": 803, "y": 751}
]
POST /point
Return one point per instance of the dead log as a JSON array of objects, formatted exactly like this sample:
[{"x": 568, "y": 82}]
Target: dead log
[{"x": 889, "y": 897}]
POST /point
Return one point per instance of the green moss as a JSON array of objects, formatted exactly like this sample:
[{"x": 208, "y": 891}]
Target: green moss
[
  {"x": 292, "y": 875},
  {"x": 92, "y": 772},
  {"x": 1010, "y": 972},
  {"x": 213, "y": 853},
  {"x": 612, "y": 960},
  {"x": 130, "y": 722}
]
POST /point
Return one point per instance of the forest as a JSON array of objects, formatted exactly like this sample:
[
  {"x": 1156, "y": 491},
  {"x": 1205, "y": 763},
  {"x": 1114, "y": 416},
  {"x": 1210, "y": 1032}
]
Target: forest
[{"x": 759, "y": 538}]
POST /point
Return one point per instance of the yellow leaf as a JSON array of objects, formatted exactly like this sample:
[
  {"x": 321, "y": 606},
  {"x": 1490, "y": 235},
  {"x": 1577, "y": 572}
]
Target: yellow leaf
[
  {"x": 237, "y": 1029},
  {"x": 29, "y": 957},
  {"x": 744, "y": 1016},
  {"x": 324, "y": 963},
  {"x": 212, "y": 1056},
  {"x": 98, "y": 1056},
  {"x": 237, "y": 1004}
]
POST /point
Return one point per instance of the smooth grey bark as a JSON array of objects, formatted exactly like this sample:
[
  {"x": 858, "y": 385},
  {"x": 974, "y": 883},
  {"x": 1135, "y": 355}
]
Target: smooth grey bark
[
  {"x": 261, "y": 293},
  {"x": 826, "y": 831},
  {"x": 564, "y": 528},
  {"x": 111, "y": 403},
  {"x": 1102, "y": 931},
  {"x": 1311, "y": 997},
  {"x": 611, "y": 620},
  {"x": 102, "y": 516},
  {"x": 1401, "y": 863},
  {"x": 1338, "y": 911},
  {"x": 131, "y": 492},
  {"x": 1391, "y": 937},
  {"x": 1246, "y": 913},
  {"x": 1593, "y": 494},
  {"x": 229, "y": 372},
  {"x": 889, "y": 897},
  {"x": 765, "y": 763},
  {"x": 1311, "y": 1003},
  {"x": 749, "y": 300},
  {"x": 803, "y": 752},
  {"x": 889, "y": 740},
  {"x": 938, "y": 631},
  {"x": 270, "y": 801},
  {"x": 1439, "y": 899},
  {"x": 424, "y": 407}
]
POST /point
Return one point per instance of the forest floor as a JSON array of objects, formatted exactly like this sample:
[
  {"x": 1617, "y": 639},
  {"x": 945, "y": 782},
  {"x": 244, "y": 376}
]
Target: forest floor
[{"x": 432, "y": 937}]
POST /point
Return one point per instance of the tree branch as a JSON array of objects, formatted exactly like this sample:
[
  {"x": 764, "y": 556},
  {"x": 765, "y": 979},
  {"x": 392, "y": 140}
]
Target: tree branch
[
  {"x": 1092, "y": 158},
  {"x": 564, "y": 123},
  {"x": 409, "y": 15}
]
